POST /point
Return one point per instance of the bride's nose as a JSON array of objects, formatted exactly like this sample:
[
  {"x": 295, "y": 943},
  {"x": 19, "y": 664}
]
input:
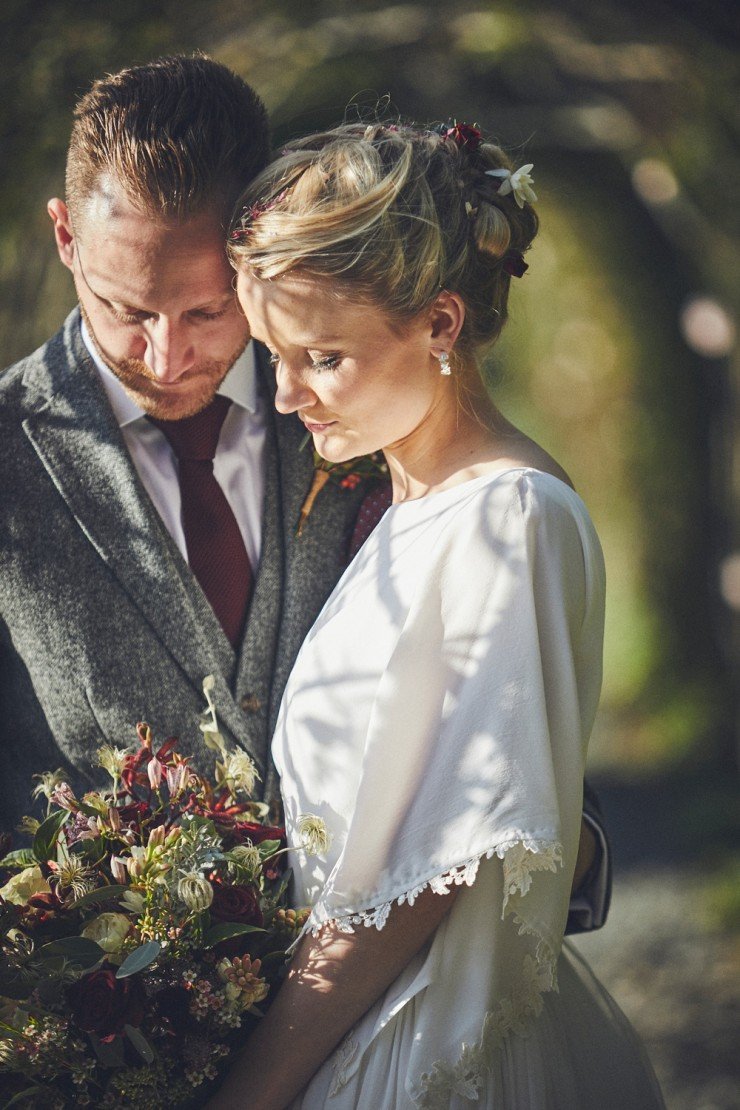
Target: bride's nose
[{"x": 292, "y": 393}]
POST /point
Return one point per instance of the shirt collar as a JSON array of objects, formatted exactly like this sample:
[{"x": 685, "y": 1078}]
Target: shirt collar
[{"x": 239, "y": 385}]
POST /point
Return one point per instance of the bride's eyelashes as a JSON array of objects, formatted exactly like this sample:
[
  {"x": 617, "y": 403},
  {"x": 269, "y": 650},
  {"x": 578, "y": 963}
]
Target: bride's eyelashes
[{"x": 327, "y": 362}]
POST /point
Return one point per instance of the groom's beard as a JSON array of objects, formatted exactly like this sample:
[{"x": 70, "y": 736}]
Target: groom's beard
[{"x": 197, "y": 386}]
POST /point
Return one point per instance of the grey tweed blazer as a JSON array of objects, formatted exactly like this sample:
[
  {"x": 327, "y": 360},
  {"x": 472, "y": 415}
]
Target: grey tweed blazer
[{"x": 102, "y": 623}]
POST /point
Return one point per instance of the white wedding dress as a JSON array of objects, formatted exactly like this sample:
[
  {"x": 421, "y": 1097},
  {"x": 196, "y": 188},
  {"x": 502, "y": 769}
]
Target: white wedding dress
[{"x": 437, "y": 719}]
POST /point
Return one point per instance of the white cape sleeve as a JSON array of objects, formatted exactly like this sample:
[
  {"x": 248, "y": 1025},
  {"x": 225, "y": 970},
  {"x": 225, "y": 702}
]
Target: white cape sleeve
[
  {"x": 478, "y": 731},
  {"x": 472, "y": 770}
]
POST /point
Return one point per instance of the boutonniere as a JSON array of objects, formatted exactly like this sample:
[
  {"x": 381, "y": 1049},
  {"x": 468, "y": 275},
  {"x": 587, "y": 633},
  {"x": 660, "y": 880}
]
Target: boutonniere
[{"x": 347, "y": 475}]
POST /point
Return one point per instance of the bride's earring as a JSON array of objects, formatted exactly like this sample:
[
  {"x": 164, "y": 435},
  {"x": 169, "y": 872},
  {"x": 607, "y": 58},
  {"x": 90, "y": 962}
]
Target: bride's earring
[{"x": 444, "y": 363}]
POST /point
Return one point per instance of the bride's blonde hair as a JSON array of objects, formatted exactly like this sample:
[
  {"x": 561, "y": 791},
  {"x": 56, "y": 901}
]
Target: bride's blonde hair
[{"x": 394, "y": 215}]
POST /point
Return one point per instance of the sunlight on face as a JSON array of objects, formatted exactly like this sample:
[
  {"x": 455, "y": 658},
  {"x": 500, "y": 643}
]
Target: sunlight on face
[
  {"x": 356, "y": 382},
  {"x": 159, "y": 304}
]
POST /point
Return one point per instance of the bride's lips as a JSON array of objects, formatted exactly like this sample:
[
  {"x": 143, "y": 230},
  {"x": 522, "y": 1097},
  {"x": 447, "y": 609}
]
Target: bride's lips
[{"x": 315, "y": 427}]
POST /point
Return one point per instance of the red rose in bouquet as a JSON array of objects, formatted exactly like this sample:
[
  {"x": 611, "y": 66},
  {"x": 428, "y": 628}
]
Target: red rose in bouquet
[
  {"x": 104, "y": 1005},
  {"x": 239, "y": 904},
  {"x": 135, "y": 927}
]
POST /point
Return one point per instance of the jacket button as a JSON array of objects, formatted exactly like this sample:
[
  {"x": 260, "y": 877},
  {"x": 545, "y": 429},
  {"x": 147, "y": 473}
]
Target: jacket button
[{"x": 251, "y": 704}]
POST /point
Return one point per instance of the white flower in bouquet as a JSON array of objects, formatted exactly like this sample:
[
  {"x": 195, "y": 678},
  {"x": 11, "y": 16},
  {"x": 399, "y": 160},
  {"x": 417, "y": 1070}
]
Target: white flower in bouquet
[
  {"x": 109, "y": 930},
  {"x": 238, "y": 773},
  {"x": 74, "y": 877},
  {"x": 22, "y": 886},
  {"x": 247, "y": 858},
  {"x": 133, "y": 901},
  {"x": 209, "y": 721},
  {"x": 48, "y": 782},
  {"x": 112, "y": 760},
  {"x": 315, "y": 837},
  {"x": 195, "y": 891}
]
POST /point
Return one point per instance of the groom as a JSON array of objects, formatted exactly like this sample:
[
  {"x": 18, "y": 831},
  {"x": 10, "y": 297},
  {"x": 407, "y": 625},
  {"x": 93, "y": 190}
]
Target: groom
[{"x": 150, "y": 491}]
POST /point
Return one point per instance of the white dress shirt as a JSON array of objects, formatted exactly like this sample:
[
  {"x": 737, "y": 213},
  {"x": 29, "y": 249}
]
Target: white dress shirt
[{"x": 237, "y": 467}]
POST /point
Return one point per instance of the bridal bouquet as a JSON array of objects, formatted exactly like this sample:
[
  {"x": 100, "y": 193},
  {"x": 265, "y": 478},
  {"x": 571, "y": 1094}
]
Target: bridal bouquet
[{"x": 140, "y": 932}]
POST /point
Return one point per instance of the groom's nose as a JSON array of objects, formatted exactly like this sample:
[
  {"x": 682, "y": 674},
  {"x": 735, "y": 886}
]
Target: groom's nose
[{"x": 169, "y": 350}]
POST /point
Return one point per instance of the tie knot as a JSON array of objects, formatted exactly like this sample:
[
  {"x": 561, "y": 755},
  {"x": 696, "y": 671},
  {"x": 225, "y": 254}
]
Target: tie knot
[{"x": 196, "y": 437}]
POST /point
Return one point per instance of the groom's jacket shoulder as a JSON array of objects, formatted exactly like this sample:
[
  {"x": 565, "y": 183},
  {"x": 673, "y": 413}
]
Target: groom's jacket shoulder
[{"x": 30, "y": 381}]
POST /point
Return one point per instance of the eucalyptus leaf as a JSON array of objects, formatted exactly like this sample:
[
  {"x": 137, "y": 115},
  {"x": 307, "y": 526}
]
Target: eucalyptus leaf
[
  {"x": 102, "y": 894},
  {"x": 139, "y": 959},
  {"x": 44, "y": 842},
  {"x": 140, "y": 1043},
  {"x": 20, "y": 858},
  {"x": 76, "y": 950},
  {"x": 268, "y": 848},
  {"x": 226, "y": 931}
]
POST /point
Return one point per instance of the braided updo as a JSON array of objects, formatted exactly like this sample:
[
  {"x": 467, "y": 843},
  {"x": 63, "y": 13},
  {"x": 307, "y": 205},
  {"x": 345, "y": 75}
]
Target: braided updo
[{"x": 395, "y": 215}]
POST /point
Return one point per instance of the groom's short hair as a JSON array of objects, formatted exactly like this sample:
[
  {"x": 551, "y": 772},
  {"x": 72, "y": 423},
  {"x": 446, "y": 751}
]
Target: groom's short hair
[{"x": 177, "y": 135}]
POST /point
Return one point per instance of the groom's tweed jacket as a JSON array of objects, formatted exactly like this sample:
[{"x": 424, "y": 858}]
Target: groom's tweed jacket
[{"x": 102, "y": 623}]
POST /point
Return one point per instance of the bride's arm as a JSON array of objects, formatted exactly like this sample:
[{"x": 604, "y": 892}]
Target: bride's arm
[{"x": 333, "y": 979}]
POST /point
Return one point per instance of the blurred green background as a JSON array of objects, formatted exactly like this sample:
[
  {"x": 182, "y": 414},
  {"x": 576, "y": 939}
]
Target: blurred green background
[{"x": 620, "y": 356}]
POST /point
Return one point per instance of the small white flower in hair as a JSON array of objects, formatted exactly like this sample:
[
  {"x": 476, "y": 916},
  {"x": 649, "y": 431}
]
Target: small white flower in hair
[{"x": 519, "y": 183}]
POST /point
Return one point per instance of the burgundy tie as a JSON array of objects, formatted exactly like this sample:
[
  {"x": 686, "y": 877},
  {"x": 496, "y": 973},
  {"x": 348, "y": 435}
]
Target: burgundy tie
[
  {"x": 371, "y": 510},
  {"x": 216, "y": 551}
]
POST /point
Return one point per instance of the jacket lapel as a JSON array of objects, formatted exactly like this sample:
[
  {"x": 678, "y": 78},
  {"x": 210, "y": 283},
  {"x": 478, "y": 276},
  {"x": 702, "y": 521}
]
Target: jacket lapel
[{"x": 78, "y": 441}]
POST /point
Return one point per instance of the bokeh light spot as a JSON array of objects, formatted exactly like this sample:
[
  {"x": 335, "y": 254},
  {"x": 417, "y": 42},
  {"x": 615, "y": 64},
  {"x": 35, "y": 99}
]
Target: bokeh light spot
[{"x": 707, "y": 327}]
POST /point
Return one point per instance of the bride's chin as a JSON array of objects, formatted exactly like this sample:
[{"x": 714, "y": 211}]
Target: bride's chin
[{"x": 334, "y": 453}]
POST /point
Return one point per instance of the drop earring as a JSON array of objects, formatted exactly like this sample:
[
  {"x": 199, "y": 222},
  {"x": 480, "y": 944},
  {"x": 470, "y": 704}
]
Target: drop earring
[{"x": 444, "y": 363}]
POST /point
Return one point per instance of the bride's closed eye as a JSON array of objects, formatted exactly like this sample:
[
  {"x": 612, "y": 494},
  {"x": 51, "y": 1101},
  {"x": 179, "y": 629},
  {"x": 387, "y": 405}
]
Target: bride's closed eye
[{"x": 328, "y": 362}]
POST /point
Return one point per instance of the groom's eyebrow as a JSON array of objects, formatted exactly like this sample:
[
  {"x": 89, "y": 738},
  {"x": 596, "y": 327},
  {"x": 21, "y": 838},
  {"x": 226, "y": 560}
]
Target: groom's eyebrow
[{"x": 122, "y": 301}]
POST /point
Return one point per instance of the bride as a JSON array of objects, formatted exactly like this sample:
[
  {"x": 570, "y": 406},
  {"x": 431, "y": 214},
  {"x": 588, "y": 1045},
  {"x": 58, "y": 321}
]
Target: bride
[{"x": 438, "y": 714}]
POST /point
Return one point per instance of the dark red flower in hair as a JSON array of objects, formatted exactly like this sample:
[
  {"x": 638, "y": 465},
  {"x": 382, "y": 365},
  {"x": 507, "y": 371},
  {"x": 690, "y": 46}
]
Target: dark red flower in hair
[
  {"x": 465, "y": 135},
  {"x": 514, "y": 263}
]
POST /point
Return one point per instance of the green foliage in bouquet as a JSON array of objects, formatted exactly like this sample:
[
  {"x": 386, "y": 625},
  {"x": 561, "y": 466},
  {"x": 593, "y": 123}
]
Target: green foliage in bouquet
[{"x": 140, "y": 932}]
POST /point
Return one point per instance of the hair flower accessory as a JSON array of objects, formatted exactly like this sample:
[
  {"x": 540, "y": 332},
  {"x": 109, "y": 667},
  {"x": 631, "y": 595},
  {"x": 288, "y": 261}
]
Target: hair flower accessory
[
  {"x": 514, "y": 263},
  {"x": 253, "y": 212},
  {"x": 464, "y": 135},
  {"x": 519, "y": 183}
]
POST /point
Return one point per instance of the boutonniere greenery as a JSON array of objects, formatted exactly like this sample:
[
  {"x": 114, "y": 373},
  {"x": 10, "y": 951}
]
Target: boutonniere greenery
[{"x": 347, "y": 475}]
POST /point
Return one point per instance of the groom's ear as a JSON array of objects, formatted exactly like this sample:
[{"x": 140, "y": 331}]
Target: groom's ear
[
  {"x": 63, "y": 234},
  {"x": 447, "y": 316}
]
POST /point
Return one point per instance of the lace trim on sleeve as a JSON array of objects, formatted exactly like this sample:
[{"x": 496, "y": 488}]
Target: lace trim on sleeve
[
  {"x": 520, "y": 859},
  {"x": 515, "y": 1013}
]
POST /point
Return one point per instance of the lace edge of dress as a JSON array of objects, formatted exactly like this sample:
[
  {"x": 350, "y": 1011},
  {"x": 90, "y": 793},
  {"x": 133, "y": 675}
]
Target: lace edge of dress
[
  {"x": 520, "y": 858},
  {"x": 515, "y": 1013}
]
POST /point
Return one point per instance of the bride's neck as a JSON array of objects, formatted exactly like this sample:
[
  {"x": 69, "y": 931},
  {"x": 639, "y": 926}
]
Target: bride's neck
[{"x": 442, "y": 449}]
